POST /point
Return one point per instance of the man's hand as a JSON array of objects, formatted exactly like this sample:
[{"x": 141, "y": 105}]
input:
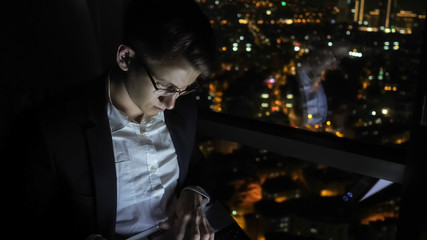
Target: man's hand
[{"x": 187, "y": 218}]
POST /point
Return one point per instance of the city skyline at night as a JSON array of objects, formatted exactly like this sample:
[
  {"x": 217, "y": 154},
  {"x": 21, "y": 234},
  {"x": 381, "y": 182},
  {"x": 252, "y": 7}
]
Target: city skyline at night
[
  {"x": 312, "y": 67},
  {"x": 296, "y": 58}
]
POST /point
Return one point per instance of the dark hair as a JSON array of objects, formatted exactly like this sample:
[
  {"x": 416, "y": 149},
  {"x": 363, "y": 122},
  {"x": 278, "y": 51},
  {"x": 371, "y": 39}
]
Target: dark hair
[{"x": 166, "y": 29}]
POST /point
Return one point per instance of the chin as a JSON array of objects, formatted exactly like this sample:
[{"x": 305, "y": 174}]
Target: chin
[{"x": 153, "y": 112}]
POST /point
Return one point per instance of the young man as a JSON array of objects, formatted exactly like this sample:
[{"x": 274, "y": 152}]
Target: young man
[{"x": 117, "y": 156}]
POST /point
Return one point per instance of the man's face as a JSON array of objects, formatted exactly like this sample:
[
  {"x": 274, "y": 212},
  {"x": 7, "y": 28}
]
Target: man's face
[{"x": 176, "y": 74}]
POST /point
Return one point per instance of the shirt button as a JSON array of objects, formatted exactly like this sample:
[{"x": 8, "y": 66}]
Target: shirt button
[{"x": 153, "y": 169}]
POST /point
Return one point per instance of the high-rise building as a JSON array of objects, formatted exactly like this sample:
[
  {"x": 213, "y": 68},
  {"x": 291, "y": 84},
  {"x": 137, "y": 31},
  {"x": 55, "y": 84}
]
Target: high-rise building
[
  {"x": 359, "y": 11},
  {"x": 387, "y": 8},
  {"x": 405, "y": 19}
]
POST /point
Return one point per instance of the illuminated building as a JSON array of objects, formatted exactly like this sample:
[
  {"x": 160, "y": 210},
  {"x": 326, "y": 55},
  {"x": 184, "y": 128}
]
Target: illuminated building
[
  {"x": 359, "y": 11},
  {"x": 405, "y": 21},
  {"x": 386, "y": 7},
  {"x": 367, "y": 87}
]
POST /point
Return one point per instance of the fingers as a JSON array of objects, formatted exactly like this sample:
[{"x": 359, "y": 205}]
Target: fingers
[
  {"x": 165, "y": 225},
  {"x": 206, "y": 232},
  {"x": 189, "y": 219},
  {"x": 196, "y": 225},
  {"x": 181, "y": 226}
]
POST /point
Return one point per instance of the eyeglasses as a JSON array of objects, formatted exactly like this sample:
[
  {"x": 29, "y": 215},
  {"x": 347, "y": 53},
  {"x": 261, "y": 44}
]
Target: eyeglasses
[{"x": 167, "y": 92}]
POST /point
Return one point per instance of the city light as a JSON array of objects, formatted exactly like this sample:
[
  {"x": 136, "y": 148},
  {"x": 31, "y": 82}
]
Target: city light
[
  {"x": 355, "y": 53},
  {"x": 248, "y": 47},
  {"x": 243, "y": 21},
  {"x": 265, "y": 45},
  {"x": 235, "y": 47},
  {"x": 384, "y": 111}
]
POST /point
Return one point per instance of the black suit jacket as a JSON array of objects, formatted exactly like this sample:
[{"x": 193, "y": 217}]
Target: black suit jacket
[{"x": 63, "y": 151}]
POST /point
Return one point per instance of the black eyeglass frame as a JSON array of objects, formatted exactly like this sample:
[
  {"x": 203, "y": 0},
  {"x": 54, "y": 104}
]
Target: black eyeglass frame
[{"x": 168, "y": 92}]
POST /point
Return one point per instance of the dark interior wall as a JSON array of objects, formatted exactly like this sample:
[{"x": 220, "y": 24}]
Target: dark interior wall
[{"x": 47, "y": 45}]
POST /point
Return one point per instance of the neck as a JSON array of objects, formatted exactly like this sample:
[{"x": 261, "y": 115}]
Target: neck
[{"x": 120, "y": 96}]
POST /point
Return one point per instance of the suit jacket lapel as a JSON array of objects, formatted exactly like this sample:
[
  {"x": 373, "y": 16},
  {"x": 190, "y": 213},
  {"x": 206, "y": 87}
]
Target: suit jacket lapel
[
  {"x": 104, "y": 179},
  {"x": 181, "y": 125},
  {"x": 178, "y": 142},
  {"x": 102, "y": 158}
]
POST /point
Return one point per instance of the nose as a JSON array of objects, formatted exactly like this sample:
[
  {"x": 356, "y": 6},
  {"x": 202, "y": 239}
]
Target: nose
[{"x": 169, "y": 101}]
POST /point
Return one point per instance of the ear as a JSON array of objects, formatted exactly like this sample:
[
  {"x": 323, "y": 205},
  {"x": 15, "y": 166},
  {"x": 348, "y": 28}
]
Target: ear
[{"x": 124, "y": 56}]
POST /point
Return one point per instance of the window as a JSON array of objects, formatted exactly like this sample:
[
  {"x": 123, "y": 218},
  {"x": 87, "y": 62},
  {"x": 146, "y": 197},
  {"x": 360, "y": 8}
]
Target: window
[
  {"x": 343, "y": 68},
  {"x": 307, "y": 89},
  {"x": 272, "y": 196}
]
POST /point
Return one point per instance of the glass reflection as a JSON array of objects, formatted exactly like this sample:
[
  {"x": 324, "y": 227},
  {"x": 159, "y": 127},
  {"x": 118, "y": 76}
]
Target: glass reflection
[
  {"x": 278, "y": 197},
  {"x": 346, "y": 68}
]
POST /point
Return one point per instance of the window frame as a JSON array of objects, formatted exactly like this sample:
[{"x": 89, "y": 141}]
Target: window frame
[{"x": 385, "y": 163}]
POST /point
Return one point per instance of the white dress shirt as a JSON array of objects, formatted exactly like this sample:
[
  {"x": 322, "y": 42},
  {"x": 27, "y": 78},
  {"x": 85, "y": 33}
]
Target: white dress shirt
[{"x": 146, "y": 168}]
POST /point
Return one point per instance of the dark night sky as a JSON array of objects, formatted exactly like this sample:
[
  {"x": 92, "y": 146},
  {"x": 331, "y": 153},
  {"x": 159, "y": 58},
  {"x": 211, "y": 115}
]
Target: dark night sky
[{"x": 417, "y": 6}]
